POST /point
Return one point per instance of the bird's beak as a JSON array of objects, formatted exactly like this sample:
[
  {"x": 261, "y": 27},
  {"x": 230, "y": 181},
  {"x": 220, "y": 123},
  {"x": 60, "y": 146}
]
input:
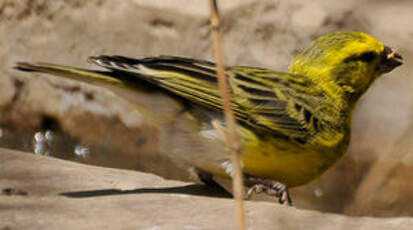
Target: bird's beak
[{"x": 390, "y": 59}]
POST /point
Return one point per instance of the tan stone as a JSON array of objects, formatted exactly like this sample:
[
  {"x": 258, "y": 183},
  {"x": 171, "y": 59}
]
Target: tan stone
[{"x": 44, "y": 193}]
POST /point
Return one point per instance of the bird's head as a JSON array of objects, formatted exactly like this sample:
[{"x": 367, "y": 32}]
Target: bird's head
[{"x": 349, "y": 60}]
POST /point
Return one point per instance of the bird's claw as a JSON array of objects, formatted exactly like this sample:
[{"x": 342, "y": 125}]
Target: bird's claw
[{"x": 271, "y": 188}]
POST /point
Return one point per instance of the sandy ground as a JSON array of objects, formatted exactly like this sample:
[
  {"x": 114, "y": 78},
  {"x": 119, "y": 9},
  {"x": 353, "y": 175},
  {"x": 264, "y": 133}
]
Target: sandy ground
[{"x": 46, "y": 193}]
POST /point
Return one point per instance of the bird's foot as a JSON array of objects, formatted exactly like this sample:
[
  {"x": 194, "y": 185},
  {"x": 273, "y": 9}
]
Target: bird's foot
[{"x": 271, "y": 188}]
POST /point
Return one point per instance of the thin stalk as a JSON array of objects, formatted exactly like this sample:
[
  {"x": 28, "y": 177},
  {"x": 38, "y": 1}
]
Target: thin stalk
[{"x": 233, "y": 139}]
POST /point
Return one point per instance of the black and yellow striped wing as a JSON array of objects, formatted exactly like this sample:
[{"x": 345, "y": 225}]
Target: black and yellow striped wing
[{"x": 275, "y": 102}]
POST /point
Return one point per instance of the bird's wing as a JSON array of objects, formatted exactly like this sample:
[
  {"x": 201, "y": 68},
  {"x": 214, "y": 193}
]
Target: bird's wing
[{"x": 281, "y": 103}]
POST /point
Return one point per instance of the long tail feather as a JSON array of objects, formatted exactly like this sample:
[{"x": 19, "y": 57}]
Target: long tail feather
[{"x": 89, "y": 76}]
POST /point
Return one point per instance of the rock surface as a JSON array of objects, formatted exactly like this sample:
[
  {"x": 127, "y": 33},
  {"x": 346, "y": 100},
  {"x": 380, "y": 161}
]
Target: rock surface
[
  {"x": 44, "y": 193},
  {"x": 101, "y": 127}
]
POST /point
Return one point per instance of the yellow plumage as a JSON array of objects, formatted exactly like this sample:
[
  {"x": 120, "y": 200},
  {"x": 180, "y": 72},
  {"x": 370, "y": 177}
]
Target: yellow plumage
[{"x": 294, "y": 125}]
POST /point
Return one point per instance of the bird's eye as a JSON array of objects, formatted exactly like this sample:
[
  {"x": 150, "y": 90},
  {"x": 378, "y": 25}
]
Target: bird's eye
[{"x": 367, "y": 56}]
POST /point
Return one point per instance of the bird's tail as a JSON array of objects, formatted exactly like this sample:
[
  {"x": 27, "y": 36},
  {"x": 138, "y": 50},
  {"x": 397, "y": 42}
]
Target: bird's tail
[
  {"x": 191, "y": 79},
  {"x": 176, "y": 74},
  {"x": 90, "y": 76}
]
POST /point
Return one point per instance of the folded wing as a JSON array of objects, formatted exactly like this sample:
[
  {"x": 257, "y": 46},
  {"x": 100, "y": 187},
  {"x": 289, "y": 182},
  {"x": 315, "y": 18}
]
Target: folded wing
[{"x": 273, "y": 102}]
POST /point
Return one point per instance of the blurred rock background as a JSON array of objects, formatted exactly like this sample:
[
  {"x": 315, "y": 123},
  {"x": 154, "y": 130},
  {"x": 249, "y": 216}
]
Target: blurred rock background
[{"x": 80, "y": 122}]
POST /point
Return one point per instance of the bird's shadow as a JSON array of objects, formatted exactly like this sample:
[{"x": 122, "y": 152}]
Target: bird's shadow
[{"x": 193, "y": 189}]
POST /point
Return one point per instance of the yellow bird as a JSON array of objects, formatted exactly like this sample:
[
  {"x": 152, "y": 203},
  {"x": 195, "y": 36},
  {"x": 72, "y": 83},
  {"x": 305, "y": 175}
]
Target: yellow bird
[{"x": 293, "y": 125}]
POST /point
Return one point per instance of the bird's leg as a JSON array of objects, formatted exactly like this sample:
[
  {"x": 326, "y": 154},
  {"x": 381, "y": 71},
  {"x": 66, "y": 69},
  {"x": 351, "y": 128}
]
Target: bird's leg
[{"x": 271, "y": 188}]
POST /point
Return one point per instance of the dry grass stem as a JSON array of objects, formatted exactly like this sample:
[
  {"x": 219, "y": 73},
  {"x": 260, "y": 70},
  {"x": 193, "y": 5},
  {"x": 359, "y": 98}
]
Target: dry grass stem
[{"x": 233, "y": 140}]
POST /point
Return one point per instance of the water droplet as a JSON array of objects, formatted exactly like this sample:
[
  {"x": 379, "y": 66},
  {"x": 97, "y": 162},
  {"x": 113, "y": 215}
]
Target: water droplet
[
  {"x": 49, "y": 135},
  {"x": 39, "y": 137},
  {"x": 40, "y": 149},
  {"x": 318, "y": 192},
  {"x": 81, "y": 151}
]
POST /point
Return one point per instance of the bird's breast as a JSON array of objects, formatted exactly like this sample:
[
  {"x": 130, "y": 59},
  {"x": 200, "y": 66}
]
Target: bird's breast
[{"x": 291, "y": 163}]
